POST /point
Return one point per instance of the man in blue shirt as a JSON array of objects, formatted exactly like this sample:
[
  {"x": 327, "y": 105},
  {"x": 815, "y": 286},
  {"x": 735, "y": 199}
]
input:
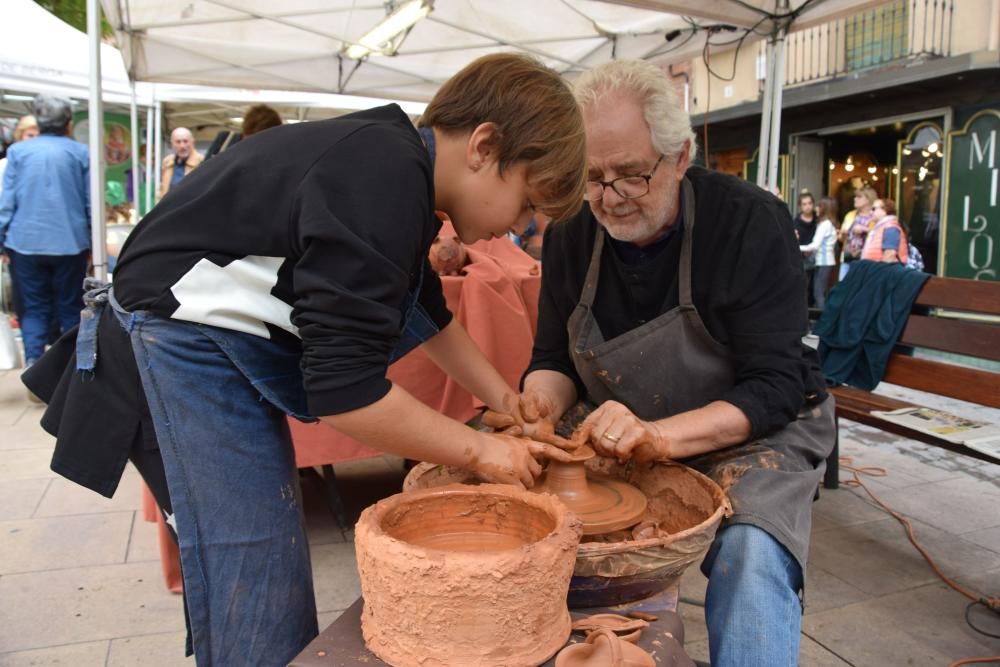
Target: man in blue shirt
[{"x": 45, "y": 223}]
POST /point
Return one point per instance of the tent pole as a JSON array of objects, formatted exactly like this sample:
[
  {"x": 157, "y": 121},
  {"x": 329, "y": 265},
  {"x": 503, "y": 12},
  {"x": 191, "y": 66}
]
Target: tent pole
[
  {"x": 150, "y": 183},
  {"x": 95, "y": 122},
  {"x": 764, "y": 145},
  {"x": 158, "y": 138},
  {"x": 779, "y": 86},
  {"x": 134, "y": 119}
]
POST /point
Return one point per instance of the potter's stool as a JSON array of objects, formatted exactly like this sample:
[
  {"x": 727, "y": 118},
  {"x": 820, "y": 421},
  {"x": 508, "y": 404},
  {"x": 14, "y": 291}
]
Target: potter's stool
[{"x": 341, "y": 644}]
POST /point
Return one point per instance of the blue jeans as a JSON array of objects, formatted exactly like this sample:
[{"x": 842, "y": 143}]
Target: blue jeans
[
  {"x": 752, "y": 607},
  {"x": 50, "y": 287},
  {"x": 820, "y": 280},
  {"x": 230, "y": 469}
]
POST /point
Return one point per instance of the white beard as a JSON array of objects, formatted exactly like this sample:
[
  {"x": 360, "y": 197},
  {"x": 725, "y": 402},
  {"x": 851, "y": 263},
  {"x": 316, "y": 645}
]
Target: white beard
[{"x": 649, "y": 226}]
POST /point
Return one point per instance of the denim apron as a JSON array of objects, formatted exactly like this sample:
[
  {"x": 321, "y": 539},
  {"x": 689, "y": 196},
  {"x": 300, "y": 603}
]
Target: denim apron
[{"x": 672, "y": 364}]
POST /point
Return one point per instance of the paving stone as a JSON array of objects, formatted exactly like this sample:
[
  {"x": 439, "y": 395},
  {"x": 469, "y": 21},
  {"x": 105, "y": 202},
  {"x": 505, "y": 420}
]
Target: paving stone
[
  {"x": 958, "y": 505},
  {"x": 20, "y": 497},
  {"x": 25, "y": 464},
  {"x": 843, "y": 507},
  {"x": 812, "y": 654},
  {"x": 85, "y": 654},
  {"x": 143, "y": 541},
  {"x": 826, "y": 591},
  {"x": 85, "y": 604},
  {"x": 335, "y": 576},
  {"x": 877, "y": 558},
  {"x": 26, "y": 433},
  {"x": 159, "y": 650},
  {"x": 13, "y": 398},
  {"x": 922, "y": 626},
  {"x": 65, "y": 498},
  {"x": 33, "y": 545},
  {"x": 989, "y": 538}
]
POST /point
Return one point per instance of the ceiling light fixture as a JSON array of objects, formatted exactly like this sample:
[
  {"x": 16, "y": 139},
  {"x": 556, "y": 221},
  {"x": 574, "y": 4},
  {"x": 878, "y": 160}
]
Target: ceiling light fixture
[{"x": 379, "y": 39}]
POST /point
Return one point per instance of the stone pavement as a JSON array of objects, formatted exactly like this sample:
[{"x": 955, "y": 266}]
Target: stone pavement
[{"x": 80, "y": 581}]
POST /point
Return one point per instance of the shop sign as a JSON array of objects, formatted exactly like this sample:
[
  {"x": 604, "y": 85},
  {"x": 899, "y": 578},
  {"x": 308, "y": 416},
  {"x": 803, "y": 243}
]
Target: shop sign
[{"x": 971, "y": 247}]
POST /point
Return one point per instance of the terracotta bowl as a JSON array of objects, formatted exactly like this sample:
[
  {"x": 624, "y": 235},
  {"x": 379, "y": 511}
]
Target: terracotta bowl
[{"x": 466, "y": 575}]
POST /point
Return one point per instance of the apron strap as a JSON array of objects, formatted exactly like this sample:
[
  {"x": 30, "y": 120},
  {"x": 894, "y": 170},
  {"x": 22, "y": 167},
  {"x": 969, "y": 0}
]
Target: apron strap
[
  {"x": 594, "y": 270},
  {"x": 684, "y": 279}
]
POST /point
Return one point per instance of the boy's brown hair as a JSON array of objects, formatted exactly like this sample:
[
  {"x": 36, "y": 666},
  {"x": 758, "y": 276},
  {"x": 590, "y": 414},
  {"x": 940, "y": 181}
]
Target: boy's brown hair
[
  {"x": 538, "y": 121},
  {"x": 260, "y": 118}
]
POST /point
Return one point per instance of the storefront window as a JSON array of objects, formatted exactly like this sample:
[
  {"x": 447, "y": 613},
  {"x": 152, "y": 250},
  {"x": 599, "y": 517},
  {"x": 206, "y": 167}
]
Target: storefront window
[{"x": 919, "y": 186}]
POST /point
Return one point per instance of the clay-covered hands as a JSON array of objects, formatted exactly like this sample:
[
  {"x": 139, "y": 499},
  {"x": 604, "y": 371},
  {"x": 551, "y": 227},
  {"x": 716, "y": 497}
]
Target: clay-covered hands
[
  {"x": 504, "y": 459},
  {"x": 527, "y": 415},
  {"x": 613, "y": 430}
]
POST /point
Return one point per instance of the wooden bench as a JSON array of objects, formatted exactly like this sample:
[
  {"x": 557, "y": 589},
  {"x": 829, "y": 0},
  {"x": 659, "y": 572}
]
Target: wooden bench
[{"x": 974, "y": 333}]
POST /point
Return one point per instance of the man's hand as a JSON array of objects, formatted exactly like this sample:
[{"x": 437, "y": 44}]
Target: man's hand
[
  {"x": 528, "y": 415},
  {"x": 502, "y": 459},
  {"x": 615, "y": 431}
]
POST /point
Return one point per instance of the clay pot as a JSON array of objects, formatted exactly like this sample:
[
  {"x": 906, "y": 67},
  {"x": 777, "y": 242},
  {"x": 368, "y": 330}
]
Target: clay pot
[
  {"x": 466, "y": 575},
  {"x": 684, "y": 511}
]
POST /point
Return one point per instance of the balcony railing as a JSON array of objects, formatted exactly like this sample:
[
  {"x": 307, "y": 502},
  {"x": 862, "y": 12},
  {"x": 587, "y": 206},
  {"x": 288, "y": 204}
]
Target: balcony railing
[{"x": 895, "y": 31}]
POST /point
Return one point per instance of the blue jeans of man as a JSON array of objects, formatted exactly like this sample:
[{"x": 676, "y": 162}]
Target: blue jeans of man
[
  {"x": 752, "y": 606},
  {"x": 218, "y": 401},
  {"x": 49, "y": 287}
]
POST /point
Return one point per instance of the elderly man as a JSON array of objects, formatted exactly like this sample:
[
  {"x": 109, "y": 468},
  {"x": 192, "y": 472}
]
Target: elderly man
[
  {"x": 45, "y": 223},
  {"x": 674, "y": 305},
  {"x": 182, "y": 162}
]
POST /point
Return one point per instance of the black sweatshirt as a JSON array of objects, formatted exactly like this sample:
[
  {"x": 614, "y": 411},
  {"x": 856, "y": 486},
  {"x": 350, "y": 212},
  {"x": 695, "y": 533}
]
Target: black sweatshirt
[
  {"x": 747, "y": 284},
  {"x": 311, "y": 232}
]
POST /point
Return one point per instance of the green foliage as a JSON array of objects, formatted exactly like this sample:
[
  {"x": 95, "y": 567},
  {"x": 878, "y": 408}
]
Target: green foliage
[{"x": 74, "y": 12}]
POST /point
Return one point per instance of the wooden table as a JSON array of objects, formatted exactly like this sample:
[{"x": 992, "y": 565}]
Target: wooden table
[{"x": 341, "y": 644}]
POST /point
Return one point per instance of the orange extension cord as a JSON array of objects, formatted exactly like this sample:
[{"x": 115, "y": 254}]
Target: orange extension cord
[{"x": 991, "y": 603}]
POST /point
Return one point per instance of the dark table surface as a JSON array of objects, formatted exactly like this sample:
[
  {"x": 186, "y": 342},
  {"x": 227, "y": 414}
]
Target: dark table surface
[{"x": 341, "y": 644}]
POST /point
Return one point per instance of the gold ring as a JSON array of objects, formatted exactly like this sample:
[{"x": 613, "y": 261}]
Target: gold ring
[{"x": 611, "y": 437}]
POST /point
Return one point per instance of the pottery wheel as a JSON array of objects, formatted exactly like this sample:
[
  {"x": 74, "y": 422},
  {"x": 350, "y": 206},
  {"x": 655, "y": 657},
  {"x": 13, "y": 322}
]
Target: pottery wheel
[{"x": 603, "y": 503}]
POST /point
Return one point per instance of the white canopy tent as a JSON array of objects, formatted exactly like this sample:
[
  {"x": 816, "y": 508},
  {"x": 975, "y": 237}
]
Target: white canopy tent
[{"x": 303, "y": 44}]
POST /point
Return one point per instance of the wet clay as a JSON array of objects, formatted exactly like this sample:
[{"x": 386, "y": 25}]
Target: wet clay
[
  {"x": 676, "y": 499},
  {"x": 602, "y": 502},
  {"x": 466, "y": 575},
  {"x": 683, "y": 512}
]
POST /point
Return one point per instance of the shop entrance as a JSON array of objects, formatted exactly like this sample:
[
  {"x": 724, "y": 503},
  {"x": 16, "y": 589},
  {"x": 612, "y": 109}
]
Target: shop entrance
[{"x": 900, "y": 158}]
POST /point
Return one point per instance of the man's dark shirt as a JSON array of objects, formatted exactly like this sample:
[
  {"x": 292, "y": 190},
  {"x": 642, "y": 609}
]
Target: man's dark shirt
[{"x": 748, "y": 288}]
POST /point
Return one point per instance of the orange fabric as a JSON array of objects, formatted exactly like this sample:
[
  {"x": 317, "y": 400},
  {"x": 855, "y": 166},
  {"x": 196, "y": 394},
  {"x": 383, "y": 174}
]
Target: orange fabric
[
  {"x": 497, "y": 301},
  {"x": 170, "y": 556},
  {"x": 873, "y": 244}
]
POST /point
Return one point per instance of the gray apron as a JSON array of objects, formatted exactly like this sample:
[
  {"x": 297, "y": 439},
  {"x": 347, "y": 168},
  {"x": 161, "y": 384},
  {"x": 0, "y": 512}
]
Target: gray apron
[{"x": 672, "y": 364}]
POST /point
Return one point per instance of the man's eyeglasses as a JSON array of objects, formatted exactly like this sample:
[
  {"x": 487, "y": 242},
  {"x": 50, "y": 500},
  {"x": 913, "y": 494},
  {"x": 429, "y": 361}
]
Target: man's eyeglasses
[{"x": 627, "y": 187}]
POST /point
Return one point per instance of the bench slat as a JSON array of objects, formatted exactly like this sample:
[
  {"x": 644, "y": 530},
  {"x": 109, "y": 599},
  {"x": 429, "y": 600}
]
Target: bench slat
[
  {"x": 979, "y": 296},
  {"x": 966, "y": 384},
  {"x": 974, "y": 339},
  {"x": 865, "y": 417}
]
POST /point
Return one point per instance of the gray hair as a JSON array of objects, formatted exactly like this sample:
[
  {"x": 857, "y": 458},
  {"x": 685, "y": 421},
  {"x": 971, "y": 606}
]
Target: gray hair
[
  {"x": 669, "y": 124},
  {"x": 52, "y": 113}
]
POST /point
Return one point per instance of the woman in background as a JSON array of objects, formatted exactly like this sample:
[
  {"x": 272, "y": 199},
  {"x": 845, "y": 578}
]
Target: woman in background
[
  {"x": 887, "y": 240},
  {"x": 856, "y": 225},
  {"x": 821, "y": 249}
]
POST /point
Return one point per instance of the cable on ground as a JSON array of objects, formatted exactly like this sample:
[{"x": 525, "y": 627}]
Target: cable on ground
[{"x": 990, "y": 603}]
